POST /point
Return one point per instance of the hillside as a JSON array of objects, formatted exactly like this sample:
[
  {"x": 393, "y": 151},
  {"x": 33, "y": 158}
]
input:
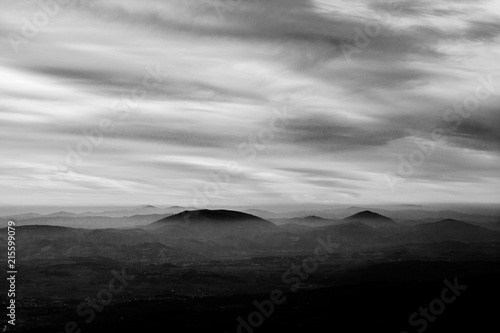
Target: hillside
[
  {"x": 219, "y": 217},
  {"x": 371, "y": 219}
]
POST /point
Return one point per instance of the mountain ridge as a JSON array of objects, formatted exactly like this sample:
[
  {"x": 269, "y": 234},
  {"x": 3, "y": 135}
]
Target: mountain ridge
[
  {"x": 211, "y": 216},
  {"x": 371, "y": 219}
]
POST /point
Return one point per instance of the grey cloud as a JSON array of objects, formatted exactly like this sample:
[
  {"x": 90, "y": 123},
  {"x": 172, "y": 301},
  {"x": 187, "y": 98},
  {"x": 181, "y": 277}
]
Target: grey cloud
[
  {"x": 477, "y": 135},
  {"x": 482, "y": 31},
  {"x": 326, "y": 134},
  {"x": 118, "y": 82},
  {"x": 352, "y": 117},
  {"x": 324, "y": 172}
]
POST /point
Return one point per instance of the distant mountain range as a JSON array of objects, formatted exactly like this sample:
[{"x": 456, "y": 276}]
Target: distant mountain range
[
  {"x": 202, "y": 233},
  {"x": 314, "y": 218},
  {"x": 139, "y": 210},
  {"x": 405, "y": 216},
  {"x": 89, "y": 222},
  {"x": 311, "y": 221},
  {"x": 229, "y": 229},
  {"x": 366, "y": 217}
]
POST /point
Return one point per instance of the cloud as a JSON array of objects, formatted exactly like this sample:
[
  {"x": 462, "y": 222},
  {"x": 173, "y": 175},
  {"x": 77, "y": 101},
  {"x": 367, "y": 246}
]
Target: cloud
[{"x": 224, "y": 76}]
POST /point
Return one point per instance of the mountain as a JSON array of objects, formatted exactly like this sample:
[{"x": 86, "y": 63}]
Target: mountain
[
  {"x": 206, "y": 216},
  {"x": 371, "y": 219},
  {"x": 492, "y": 225},
  {"x": 435, "y": 216},
  {"x": 55, "y": 242},
  {"x": 62, "y": 214},
  {"x": 92, "y": 222},
  {"x": 448, "y": 230},
  {"x": 139, "y": 210},
  {"x": 20, "y": 217},
  {"x": 354, "y": 232},
  {"x": 209, "y": 224},
  {"x": 311, "y": 221},
  {"x": 395, "y": 213},
  {"x": 455, "y": 230}
]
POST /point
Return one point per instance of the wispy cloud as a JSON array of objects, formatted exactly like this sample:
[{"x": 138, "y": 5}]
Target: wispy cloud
[{"x": 222, "y": 78}]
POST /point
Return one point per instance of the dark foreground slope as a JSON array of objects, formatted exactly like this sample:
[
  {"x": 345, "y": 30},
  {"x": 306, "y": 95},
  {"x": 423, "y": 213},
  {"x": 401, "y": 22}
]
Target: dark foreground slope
[
  {"x": 374, "y": 298},
  {"x": 203, "y": 271}
]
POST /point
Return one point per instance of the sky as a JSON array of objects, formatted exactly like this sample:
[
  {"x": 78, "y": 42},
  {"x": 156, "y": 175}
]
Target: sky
[{"x": 249, "y": 102}]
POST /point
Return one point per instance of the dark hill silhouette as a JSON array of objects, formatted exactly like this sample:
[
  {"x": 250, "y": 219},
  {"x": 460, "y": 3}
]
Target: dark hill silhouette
[
  {"x": 458, "y": 230},
  {"x": 205, "y": 216},
  {"x": 371, "y": 219},
  {"x": 449, "y": 230},
  {"x": 210, "y": 224}
]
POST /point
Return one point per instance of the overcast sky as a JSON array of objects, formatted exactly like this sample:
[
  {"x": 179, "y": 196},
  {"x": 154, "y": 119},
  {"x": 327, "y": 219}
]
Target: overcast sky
[{"x": 358, "y": 85}]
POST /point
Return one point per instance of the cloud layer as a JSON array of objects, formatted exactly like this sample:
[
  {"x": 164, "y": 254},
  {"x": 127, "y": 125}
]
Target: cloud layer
[{"x": 319, "y": 102}]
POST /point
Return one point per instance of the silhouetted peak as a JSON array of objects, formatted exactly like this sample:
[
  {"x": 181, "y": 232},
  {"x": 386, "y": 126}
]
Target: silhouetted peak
[
  {"x": 212, "y": 216},
  {"x": 449, "y": 221},
  {"x": 313, "y": 217},
  {"x": 366, "y": 214}
]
